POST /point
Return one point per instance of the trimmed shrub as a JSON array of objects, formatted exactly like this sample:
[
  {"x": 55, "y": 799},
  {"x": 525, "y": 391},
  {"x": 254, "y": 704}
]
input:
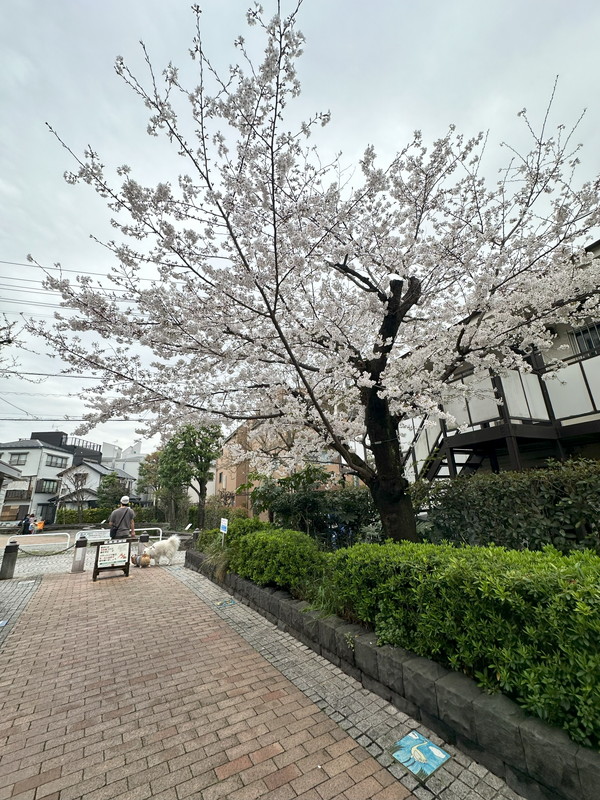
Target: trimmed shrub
[
  {"x": 287, "y": 559},
  {"x": 356, "y": 576},
  {"x": 236, "y": 528},
  {"x": 525, "y": 623},
  {"x": 68, "y": 516},
  {"x": 558, "y": 505}
]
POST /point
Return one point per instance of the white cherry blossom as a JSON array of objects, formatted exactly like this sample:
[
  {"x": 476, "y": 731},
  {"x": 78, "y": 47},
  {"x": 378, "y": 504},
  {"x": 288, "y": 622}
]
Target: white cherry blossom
[{"x": 292, "y": 293}]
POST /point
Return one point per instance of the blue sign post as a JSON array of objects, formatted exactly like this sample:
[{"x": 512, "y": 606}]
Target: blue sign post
[{"x": 224, "y": 523}]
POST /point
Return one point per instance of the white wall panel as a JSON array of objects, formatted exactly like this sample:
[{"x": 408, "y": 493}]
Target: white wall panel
[{"x": 568, "y": 393}]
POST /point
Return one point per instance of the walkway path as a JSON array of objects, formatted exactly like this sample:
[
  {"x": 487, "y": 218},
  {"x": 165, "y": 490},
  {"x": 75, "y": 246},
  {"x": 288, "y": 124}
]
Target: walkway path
[{"x": 142, "y": 687}]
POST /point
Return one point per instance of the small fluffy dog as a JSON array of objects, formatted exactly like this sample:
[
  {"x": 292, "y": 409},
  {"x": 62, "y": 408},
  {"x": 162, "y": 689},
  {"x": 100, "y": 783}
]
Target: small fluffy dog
[{"x": 164, "y": 548}]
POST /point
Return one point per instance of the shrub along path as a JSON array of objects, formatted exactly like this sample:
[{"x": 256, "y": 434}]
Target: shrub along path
[{"x": 141, "y": 687}]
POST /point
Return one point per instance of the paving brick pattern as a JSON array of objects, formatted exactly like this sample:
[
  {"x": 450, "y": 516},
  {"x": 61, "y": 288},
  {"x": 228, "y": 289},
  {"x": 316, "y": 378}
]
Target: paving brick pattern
[
  {"x": 14, "y": 596},
  {"x": 136, "y": 688},
  {"x": 366, "y": 717},
  {"x": 141, "y": 687}
]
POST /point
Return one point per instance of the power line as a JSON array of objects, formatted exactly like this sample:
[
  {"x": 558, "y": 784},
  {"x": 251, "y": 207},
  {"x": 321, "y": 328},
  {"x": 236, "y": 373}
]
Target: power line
[
  {"x": 47, "y": 291},
  {"x": 37, "y": 394},
  {"x": 62, "y": 419},
  {"x": 50, "y": 374},
  {"x": 42, "y": 290},
  {"x": 79, "y": 271},
  {"x": 14, "y": 406},
  {"x": 40, "y": 303},
  {"x": 37, "y": 316},
  {"x": 58, "y": 269}
]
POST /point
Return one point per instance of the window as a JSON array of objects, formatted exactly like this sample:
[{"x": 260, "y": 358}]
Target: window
[
  {"x": 46, "y": 486},
  {"x": 587, "y": 338},
  {"x": 56, "y": 461},
  {"x": 17, "y": 459}
]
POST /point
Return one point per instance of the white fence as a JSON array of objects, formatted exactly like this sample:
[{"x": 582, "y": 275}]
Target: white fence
[{"x": 102, "y": 534}]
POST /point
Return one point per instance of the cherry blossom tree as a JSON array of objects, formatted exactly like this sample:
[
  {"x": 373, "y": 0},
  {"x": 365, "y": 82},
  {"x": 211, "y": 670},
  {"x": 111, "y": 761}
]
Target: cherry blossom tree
[
  {"x": 291, "y": 290},
  {"x": 8, "y": 337}
]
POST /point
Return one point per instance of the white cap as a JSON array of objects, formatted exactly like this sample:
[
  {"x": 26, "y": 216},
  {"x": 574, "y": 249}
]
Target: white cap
[{"x": 124, "y": 500}]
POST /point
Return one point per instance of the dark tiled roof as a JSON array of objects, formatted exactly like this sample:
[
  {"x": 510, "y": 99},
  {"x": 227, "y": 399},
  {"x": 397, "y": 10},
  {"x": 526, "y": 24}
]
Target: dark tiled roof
[
  {"x": 102, "y": 469},
  {"x": 31, "y": 444}
]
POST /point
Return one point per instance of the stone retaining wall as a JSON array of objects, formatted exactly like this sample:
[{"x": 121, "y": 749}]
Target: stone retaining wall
[{"x": 537, "y": 761}]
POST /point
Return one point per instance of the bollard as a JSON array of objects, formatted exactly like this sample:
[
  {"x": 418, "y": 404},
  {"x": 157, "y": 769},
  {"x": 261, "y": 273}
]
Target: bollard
[
  {"x": 79, "y": 555},
  {"x": 143, "y": 542},
  {"x": 9, "y": 560}
]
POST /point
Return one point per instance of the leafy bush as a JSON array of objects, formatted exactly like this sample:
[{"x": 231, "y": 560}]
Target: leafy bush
[
  {"x": 525, "y": 623},
  {"x": 214, "y": 511},
  {"x": 357, "y": 575},
  {"x": 558, "y": 505},
  {"x": 235, "y": 529},
  {"x": 94, "y": 516},
  {"x": 334, "y": 517},
  {"x": 283, "y": 558},
  {"x": 68, "y": 516}
]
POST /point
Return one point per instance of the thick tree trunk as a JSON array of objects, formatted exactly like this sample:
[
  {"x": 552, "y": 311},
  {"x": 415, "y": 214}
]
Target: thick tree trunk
[
  {"x": 396, "y": 511},
  {"x": 388, "y": 487}
]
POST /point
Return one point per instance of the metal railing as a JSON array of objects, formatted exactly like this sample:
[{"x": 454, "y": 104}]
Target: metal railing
[
  {"x": 99, "y": 534},
  {"x": 29, "y": 537}
]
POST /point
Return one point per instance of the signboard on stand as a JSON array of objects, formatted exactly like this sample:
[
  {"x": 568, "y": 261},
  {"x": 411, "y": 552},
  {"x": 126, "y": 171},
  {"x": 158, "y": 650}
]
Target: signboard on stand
[{"x": 112, "y": 555}]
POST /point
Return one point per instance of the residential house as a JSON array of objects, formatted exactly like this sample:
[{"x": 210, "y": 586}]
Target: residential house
[
  {"x": 80, "y": 483},
  {"x": 39, "y": 460},
  {"x": 7, "y": 474},
  {"x": 128, "y": 460},
  {"x": 519, "y": 421}
]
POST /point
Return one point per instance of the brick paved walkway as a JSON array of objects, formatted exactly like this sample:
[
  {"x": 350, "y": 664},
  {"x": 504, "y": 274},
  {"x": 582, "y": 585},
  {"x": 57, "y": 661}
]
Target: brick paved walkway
[
  {"x": 142, "y": 687},
  {"x": 135, "y": 688}
]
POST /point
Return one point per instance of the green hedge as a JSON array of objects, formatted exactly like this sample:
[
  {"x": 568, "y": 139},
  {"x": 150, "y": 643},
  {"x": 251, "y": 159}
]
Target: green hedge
[
  {"x": 68, "y": 516},
  {"x": 288, "y": 559},
  {"x": 525, "y": 623},
  {"x": 558, "y": 505},
  {"x": 214, "y": 511}
]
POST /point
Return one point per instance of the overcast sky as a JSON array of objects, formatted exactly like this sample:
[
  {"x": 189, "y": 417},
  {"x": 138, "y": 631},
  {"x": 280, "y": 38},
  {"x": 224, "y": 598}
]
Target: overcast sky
[{"x": 384, "y": 68}]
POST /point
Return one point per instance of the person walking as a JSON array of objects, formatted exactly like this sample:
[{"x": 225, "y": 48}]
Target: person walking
[
  {"x": 121, "y": 520},
  {"x": 26, "y": 523}
]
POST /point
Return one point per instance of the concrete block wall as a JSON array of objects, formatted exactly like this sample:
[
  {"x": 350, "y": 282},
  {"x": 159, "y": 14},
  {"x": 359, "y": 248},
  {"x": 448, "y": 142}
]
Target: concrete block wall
[{"x": 537, "y": 761}]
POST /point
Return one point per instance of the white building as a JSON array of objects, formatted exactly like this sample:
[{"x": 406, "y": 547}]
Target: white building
[
  {"x": 517, "y": 421},
  {"x": 127, "y": 459},
  {"x": 39, "y": 460},
  {"x": 80, "y": 483},
  {"x": 31, "y": 493}
]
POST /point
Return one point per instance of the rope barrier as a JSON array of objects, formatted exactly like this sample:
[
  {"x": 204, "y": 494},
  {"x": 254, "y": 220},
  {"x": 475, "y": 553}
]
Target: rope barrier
[{"x": 41, "y": 553}]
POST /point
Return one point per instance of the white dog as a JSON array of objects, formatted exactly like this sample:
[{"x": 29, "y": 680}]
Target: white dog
[{"x": 164, "y": 548}]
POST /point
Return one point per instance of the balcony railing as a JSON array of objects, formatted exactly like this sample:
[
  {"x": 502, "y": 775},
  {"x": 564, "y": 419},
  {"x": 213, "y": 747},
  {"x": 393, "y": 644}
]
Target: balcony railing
[
  {"x": 18, "y": 494},
  {"x": 517, "y": 398}
]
